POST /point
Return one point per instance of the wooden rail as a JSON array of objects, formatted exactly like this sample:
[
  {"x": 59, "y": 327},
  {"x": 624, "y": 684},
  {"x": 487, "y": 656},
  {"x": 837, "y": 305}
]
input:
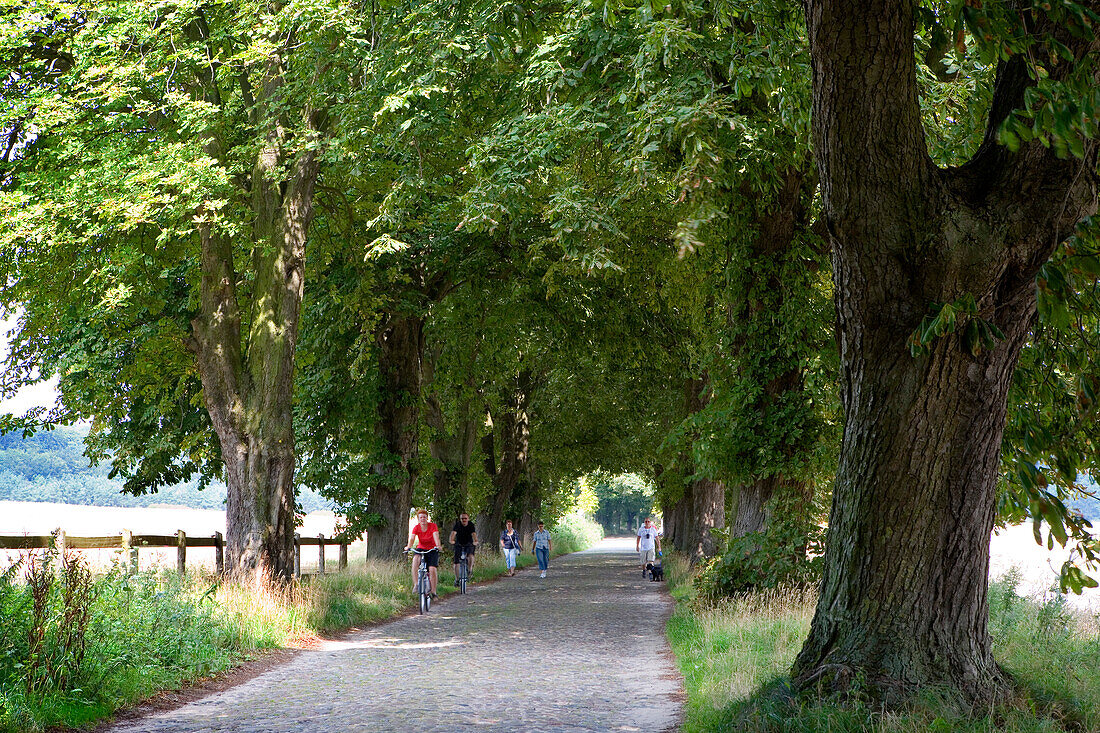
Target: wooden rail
[{"x": 129, "y": 544}]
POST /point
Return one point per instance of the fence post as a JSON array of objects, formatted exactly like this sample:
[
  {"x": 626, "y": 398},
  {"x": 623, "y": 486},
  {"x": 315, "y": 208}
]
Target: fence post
[
  {"x": 297, "y": 555},
  {"x": 219, "y": 554},
  {"x": 181, "y": 552},
  {"x": 129, "y": 552},
  {"x": 343, "y": 555},
  {"x": 321, "y": 554}
]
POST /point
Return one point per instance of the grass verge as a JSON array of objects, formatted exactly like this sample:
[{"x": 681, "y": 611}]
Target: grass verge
[
  {"x": 735, "y": 654},
  {"x": 75, "y": 648}
]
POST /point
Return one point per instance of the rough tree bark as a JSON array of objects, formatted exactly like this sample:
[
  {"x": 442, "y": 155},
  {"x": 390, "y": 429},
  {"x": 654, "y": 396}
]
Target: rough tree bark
[
  {"x": 903, "y": 602},
  {"x": 400, "y": 342},
  {"x": 247, "y": 389},
  {"x": 248, "y": 393},
  {"x": 708, "y": 513},
  {"x": 752, "y": 512},
  {"x": 677, "y": 512}
]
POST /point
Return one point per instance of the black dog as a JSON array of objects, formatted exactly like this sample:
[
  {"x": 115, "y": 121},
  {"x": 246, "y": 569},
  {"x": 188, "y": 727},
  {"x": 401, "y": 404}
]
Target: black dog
[{"x": 656, "y": 572}]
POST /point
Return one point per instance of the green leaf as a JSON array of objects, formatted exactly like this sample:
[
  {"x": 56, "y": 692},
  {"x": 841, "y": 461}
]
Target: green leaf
[{"x": 972, "y": 340}]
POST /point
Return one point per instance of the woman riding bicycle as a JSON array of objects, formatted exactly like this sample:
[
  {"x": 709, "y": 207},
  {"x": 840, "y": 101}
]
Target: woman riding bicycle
[{"x": 425, "y": 536}]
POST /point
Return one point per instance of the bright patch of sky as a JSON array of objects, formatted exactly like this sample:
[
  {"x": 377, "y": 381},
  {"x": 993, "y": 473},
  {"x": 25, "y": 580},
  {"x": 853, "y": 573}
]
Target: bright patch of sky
[{"x": 43, "y": 394}]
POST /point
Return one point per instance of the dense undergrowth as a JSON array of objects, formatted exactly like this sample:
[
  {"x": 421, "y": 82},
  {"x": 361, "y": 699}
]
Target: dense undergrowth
[
  {"x": 734, "y": 655},
  {"x": 76, "y": 647}
]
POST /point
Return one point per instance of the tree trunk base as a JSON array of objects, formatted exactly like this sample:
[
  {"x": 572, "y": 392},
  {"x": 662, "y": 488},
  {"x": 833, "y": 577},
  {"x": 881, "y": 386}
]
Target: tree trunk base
[
  {"x": 844, "y": 682},
  {"x": 844, "y": 697}
]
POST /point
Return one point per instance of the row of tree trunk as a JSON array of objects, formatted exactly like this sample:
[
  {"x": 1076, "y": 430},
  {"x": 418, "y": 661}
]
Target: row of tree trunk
[
  {"x": 699, "y": 506},
  {"x": 505, "y": 448}
]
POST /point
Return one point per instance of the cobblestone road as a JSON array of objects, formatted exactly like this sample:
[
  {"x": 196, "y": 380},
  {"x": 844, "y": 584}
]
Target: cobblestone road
[{"x": 582, "y": 650}]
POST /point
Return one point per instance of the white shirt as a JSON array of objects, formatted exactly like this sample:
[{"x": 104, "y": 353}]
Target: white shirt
[{"x": 648, "y": 536}]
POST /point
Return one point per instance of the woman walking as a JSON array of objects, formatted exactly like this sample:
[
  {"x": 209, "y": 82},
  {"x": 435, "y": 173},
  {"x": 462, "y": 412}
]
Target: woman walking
[
  {"x": 542, "y": 548},
  {"x": 509, "y": 542}
]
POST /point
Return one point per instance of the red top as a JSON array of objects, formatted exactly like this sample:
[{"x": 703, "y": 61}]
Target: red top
[{"x": 425, "y": 538}]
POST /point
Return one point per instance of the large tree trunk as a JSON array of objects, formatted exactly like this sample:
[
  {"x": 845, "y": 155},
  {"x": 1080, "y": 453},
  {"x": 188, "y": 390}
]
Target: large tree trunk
[
  {"x": 676, "y": 508},
  {"x": 704, "y": 507},
  {"x": 668, "y": 498},
  {"x": 248, "y": 394},
  {"x": 450, "y": 480},
  {"x": 530, "y": 506},
  {"x": 903, "y": 602},
  {"x": 779, "y": 221},
  {"x": 708, "y": 512},
  {"x": 453, "y": 449},
  {"x": 511, "y": 476},
  {"x": 678, "y": 499},
  {"x": 682, "y": 529},
  {"x": 751, "y": 511},
  {"x": 755, "y": 506},
  {"x": 400, "y": 342}
]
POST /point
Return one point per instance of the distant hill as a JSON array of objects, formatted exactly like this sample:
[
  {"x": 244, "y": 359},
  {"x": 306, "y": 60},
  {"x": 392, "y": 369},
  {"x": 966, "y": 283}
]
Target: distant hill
[
  {"x": 1089, "y": 506},
  {"x": 51, "y": 466}
]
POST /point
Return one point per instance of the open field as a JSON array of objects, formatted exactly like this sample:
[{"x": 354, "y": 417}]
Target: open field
[
  {"x": 1014, "y": 546},
  {"x": 41, "y": 518}
]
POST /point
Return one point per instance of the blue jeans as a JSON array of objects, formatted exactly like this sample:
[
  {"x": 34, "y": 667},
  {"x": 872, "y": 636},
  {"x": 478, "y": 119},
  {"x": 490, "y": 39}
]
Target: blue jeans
[
  {"x": 542, "y": 554},
  {"x": 510, "y": 557}
]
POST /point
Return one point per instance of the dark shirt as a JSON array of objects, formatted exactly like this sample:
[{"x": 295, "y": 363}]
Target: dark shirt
[
  {"x": 511, "y": 541},
  {"x": 464, "y": 535}
]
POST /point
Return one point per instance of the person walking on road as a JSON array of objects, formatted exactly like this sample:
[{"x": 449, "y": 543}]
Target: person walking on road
[
  {"x": 509, "y": 542},
  {"x": 464, "y": 537},
  {"x": 424, "y": 535},
  {"x": 541, "y": 550},
  {"x": 648, "y": 543}
]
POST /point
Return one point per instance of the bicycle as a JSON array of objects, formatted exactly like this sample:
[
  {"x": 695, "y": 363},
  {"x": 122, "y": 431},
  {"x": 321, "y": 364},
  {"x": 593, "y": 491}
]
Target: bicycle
[
  {"x": 423, "y": 580},
  {"x": 463, "y": 572}
]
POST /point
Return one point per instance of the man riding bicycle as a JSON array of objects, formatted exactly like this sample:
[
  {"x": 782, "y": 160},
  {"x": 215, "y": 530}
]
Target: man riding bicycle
[
  {"x": 464, "y": 538},
  {"x": 425, "y": 536}
]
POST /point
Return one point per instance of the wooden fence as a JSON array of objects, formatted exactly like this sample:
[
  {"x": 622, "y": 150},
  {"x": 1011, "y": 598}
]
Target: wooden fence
[{"x": 129, "y": 544}]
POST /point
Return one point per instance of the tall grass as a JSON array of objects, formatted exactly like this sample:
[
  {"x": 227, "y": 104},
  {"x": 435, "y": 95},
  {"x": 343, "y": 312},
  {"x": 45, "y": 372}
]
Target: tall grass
[
  {"x": 137, "y": 636},
  {"x": 74, "y": 647},
  {"x": 735, "y": 656}
]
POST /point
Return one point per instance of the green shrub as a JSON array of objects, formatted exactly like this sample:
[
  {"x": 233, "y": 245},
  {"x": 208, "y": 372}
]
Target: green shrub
[
  {"x": 784, "y": 555},
  {"x": 575, "y": 532}
]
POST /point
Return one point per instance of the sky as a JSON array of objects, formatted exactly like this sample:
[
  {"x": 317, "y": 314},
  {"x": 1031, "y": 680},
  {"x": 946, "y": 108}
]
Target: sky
[{"x": 44, "y": 394}]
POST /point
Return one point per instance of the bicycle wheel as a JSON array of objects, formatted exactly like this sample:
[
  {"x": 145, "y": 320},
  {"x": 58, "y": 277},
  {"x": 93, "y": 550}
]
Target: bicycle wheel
[
  {"x": 463, "y": 573},
  {"x": 425, "y": 595}
]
